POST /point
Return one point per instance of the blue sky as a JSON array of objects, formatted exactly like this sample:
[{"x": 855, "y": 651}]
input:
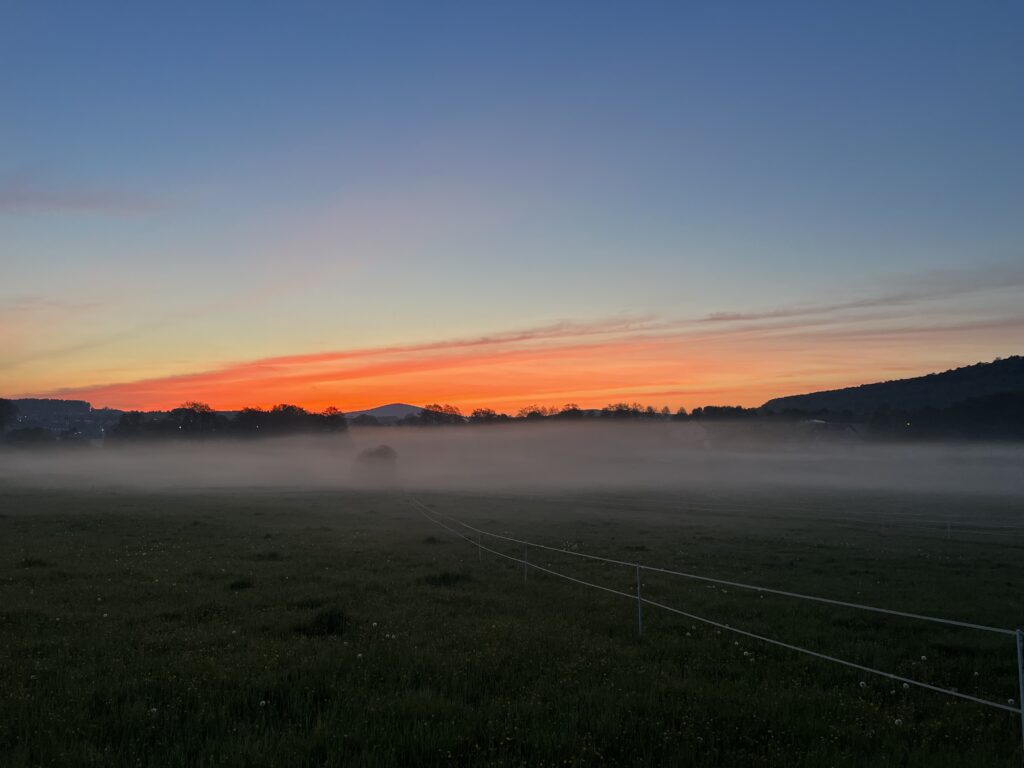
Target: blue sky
[{"x": 193, "y": 185}]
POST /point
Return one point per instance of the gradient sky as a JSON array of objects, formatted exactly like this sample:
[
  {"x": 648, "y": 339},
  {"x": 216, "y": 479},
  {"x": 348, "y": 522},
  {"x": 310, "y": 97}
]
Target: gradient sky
[{"x": 504, "y": 203}]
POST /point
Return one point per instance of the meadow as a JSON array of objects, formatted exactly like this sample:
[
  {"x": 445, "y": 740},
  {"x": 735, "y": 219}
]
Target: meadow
[{"x": 340, "y": 627}]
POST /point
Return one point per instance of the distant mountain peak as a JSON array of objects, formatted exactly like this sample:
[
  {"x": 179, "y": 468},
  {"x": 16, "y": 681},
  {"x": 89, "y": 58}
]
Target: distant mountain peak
[{"x": 387, "y": 413}]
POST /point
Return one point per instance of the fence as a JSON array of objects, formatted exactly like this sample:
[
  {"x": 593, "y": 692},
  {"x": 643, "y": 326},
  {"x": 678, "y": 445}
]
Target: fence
[{"x": 1012, "y": 706}]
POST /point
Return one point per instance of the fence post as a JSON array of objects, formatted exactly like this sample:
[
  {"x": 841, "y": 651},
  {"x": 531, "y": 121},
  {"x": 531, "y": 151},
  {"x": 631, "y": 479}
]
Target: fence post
[
  {"x": 639, "y": 605},
  {"x": 526, "y": 559},
  {"x": 1020, "y": 682}
]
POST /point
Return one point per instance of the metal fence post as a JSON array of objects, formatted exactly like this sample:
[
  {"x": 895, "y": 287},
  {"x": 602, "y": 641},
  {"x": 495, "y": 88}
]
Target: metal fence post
[
  {"x": 1020, "y": 682},
  {"x": 526, "y": 559},
  {"x": 639, "y": 605}
]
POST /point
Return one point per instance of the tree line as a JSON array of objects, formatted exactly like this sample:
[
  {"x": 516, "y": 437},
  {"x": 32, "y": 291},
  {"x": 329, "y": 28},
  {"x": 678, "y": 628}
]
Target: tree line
[
  {"x": 437, "y": 414},
  {"x": 198, "y": 420},
  {"x": 999, "y": 416},
  {"x": 190, "y": 421}
]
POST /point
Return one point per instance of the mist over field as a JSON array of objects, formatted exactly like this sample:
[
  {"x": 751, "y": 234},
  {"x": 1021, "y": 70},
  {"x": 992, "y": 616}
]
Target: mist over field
[{"x": 519, "y": 457}]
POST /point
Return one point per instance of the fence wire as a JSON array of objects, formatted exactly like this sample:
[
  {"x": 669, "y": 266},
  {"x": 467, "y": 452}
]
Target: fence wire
[
  {"x": 429, "y": 514},
  {"x": 728, "y": 583}
]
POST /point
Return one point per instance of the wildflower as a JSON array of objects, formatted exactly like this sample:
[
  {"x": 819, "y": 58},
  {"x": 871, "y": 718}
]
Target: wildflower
[
  {"x": 863, "y": 684},
  {"x": 898, "y": 721},
  {"x": 263, "y": 703},
  {"x": 905, "y": 686},
  {"x": 924, "y": 658}
]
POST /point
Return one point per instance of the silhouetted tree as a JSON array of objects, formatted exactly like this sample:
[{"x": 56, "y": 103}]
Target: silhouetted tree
[
  {"x": 622, "y": 411},
  {"x": 249, "y": 421},
  {"x": 194, "y": 420},
  {"x": 378, "y": 464},
  {"x": 332, "y": 420},
  {"x": 535, "y": 412},
  {"x": 488, "y": 416},
  {"x": 8, "y": 413},
  {"x": 723, "y": 412},
  {"x": 434, "y": 415},
  {"x": 570, "y": 411},
  {"x": 366, "y": 420},
  {"x": 287, "y": 419},
  {"x": 131, "y": 426}
]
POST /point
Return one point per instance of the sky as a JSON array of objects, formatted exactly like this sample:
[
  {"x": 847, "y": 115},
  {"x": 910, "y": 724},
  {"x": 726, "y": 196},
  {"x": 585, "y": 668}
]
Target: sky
[{"x": 504, "y": 204}]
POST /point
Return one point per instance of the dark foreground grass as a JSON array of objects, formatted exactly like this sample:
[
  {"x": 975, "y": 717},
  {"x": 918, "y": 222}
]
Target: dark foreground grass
[{"x": 345, "y": 629}]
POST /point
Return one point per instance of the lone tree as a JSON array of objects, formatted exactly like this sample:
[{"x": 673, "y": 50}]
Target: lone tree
[{"x": 378, "y": 464}]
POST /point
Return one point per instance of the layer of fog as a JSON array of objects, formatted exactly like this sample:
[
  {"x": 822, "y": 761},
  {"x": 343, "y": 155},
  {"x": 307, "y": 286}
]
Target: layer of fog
[{"x": 534, "y": 457}]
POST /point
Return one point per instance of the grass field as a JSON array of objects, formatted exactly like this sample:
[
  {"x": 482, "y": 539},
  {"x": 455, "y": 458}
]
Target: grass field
[{"x": 293, "y": 628}]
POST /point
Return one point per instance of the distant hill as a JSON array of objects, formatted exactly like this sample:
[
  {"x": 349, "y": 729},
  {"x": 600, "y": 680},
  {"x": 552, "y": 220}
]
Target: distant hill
[
  {"x": 387, "y": 414},
  {"x": 936, "y": 390},
  {"x": 63, "y": 415},
  {"x": 48, "y": 409}
]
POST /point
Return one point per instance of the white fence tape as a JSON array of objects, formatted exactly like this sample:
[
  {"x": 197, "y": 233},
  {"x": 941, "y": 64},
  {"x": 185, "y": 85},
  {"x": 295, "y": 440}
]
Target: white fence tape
[
  {"x": 429, "y": 513},
  {"x": 728, "y": 583}
]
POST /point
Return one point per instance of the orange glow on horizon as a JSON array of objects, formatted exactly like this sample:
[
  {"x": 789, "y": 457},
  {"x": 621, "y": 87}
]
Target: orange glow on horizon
[{"x": 651, "y": 362}]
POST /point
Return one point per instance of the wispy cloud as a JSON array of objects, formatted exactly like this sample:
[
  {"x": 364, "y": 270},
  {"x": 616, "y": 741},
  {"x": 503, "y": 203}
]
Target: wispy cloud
[
  {"x": 11, "y": 306},
  {"x": 22, "y": 194},
  {"x": 811, "y": 309},
  {"x": 741, "y": 355},
  {"x": 931, "y": 286},
  {"x": 617, "y": 357}
]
